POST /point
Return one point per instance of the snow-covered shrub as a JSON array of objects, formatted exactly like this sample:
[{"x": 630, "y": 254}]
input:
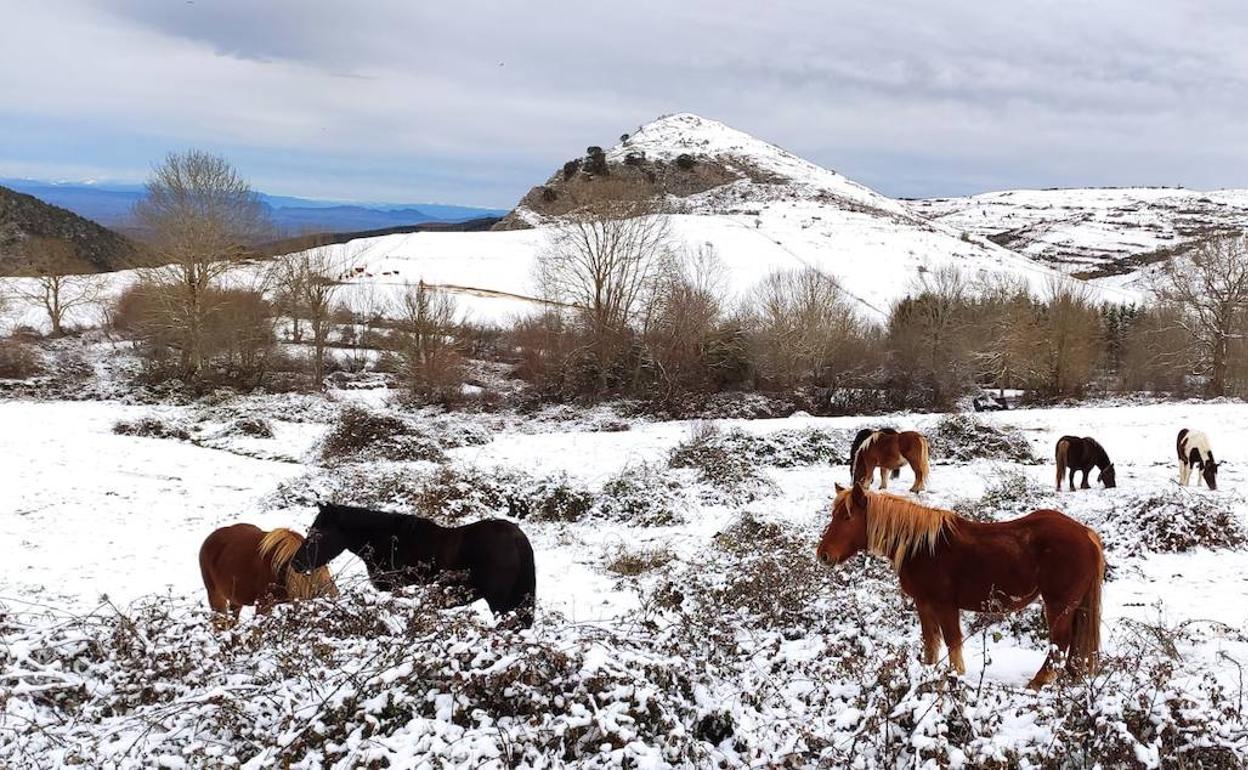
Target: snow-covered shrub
[
  {"x": 642, "y": 495},
  {"x": 150, "y": 426},
  {"x": 961, "y": 437},
  {"x": 733, "y": 474},
  {"x": 703, "y": 680},
  {"x": 1170, "y": 520},
  {"x": 254, "y": 427},
  {"x": 555, "y": 498},
  {"x": 362, "y": 434},
  {"x": 1010, "y": 494},
  {"x": 629, "y": 562}
]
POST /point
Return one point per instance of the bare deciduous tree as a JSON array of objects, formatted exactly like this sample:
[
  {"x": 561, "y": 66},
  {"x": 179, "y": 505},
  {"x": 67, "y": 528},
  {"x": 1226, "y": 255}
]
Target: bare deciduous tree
[
  {"x": 1209, "y": 285},
  {"x": 805, "y": 330},
  {"x": 431, "y": 365},
  {"x": 199, "y": 217},
  {"x": 58, "y": 281},
  {"x": 307, "y": 284},
  {"x": 606, "y": 269}
]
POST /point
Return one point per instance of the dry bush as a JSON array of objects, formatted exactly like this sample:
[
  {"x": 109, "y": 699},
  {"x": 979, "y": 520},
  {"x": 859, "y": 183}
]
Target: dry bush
[
  {"x": 432, "y": 369},
  {"x": 804, "y": 332},
  {"x": 151, "y": 426},
  {"x": 234, "y": 342},
  {"x": 643, "y": 495},
  {"x": 361, "y": 434},
  {"x": 931, "y": 342},
  {"x": 18, "y": 360},
  {"x": 631, "y": 562}
]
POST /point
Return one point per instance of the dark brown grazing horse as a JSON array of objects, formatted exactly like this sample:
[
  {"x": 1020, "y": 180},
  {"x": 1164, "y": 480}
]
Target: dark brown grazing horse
[
  {"x": 490, "y": 559},
  {"x": 947, "y": 564},
  {"x": 244, "y": 565},
  {"x": 889, "y": 451},
  {"x": 1083, "y": 454}
]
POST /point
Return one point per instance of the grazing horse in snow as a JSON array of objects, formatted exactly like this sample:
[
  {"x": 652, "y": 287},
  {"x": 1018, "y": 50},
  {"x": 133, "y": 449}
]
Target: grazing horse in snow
[
  {"x": 244, "y": 565},
  {"x": 889, "y": 451},
  {"x": 489, "y": 559},
  {"x": 1083, "y": 454},
  {"x": 1194, "y": 452},
  {"x": 947, "y": 564}
]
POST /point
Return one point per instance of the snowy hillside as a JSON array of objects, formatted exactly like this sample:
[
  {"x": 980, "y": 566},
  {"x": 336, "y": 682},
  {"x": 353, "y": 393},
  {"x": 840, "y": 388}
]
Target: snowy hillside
[
  {"x": 772, "y": 211},
  {"x": 1096, "y": 230}
]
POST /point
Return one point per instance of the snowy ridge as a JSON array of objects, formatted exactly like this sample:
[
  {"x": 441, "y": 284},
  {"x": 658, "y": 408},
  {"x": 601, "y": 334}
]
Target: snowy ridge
[
  {"x": 782, "y": 213},
  {"x": 1099, "y": 230},
  {"x": 686, "y": 133}
]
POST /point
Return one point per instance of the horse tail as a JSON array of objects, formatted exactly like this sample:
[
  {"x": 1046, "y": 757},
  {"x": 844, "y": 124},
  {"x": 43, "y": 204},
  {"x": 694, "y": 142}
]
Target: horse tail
[
  {"x": 279, "y": 547},
  {"x": 923, "y": 457},
  {"x": 1086, "y": 629},
  {"x": 1063, "y": 448}
]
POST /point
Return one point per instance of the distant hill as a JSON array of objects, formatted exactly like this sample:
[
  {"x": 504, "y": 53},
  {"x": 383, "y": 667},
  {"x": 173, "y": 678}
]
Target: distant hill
[
  {"x": 1093, "y": 232},
  {"x": 111, "y": 205},
  {"x": 23, "y": 217}
]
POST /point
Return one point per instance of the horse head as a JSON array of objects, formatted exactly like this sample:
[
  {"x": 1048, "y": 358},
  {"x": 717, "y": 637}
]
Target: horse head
[
  {"x": 1108, "y": 476},
  {"x": 846, "y": 533},
  {"x": 325, "y": 540},
  {"x": 1210, "y": 473}
]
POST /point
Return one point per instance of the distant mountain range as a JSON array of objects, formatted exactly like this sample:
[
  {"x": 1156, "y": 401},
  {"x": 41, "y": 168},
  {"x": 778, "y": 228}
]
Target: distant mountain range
[{"x": 111, "y": 205}]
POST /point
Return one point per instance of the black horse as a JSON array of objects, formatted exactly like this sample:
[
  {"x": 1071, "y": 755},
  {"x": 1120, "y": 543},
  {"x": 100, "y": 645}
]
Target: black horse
[
  {"x": 862, "y": 436},
  {"x": 1082, "y": 454},
  {"x": 489, "y": 559}
]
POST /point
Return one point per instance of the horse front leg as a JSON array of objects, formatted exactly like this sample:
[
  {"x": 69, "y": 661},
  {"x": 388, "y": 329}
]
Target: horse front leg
[
  {"x": 1085, "y": 484},
  {"x": 883, "y": 477},
  {"x": 951, "y": 628},
  {"x": 930, "y": 627}
]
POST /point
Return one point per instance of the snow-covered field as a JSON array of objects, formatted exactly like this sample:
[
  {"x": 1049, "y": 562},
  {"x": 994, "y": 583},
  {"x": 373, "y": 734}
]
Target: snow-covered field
[{"x": 86, "y": 513}]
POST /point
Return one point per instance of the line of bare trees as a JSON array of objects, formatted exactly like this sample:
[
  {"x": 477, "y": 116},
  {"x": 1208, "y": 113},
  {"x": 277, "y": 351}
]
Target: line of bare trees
[{"x": 628, "y": 313}]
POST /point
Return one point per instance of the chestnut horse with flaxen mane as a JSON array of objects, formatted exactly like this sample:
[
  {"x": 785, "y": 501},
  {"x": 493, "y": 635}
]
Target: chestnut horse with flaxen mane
[
  {"x": 947, "y": 564},
  {"x": 244, "y": 565},
  {"x": 889, "y": 450}
]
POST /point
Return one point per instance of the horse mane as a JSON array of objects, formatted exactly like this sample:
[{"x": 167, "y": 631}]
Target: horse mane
[
  {"x": 351, "y": 517},
  {"x": 862, "y": 447},
  {"x": 279, "y": 547},
  {"x": 898, "y": 528}
]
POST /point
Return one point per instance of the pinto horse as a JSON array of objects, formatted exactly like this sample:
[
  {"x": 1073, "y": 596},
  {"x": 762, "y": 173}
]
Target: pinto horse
[
  {"x": 1194, "y": 452},
  {"x": 947, "y": 564},
  {"x": 244, "y": 565},
  {"x": 1083, "y": 454},
  {"x": 889, "y": 450},
  {"x": 490, "y": 559}
]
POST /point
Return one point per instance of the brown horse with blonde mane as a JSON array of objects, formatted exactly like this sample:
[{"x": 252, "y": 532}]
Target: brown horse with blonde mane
[
  {"x": 889, "y": 450},
  {"x": 244, "y": 565},
  {"x": 947, "y": 563}
]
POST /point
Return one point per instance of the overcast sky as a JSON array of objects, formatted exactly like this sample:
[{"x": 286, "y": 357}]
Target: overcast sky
[{"x": 474, "y": 102}]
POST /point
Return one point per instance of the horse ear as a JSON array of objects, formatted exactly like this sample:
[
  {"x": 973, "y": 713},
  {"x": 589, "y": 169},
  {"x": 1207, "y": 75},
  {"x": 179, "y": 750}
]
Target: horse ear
[
  {"x": 859, "y": 497},
  {"x": 839, "y": 488}
]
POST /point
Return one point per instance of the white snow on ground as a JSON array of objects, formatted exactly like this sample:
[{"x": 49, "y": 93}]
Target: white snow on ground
[{"x": 88, "y": 513}]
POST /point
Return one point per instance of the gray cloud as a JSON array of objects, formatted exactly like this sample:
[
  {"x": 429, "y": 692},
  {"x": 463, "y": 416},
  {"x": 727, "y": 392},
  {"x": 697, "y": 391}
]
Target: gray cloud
[{"x": 477, "y": 101}]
